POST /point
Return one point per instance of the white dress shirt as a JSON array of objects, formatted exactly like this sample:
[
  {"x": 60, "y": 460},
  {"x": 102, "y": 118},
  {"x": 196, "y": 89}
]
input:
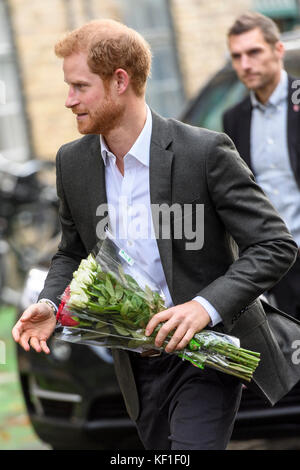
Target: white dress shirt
[
  {"x": 270, "y": 155},
  {"x": 129, "y": 209}
]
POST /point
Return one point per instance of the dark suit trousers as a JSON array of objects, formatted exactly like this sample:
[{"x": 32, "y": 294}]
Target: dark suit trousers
[{"x": 183, "y": 407}]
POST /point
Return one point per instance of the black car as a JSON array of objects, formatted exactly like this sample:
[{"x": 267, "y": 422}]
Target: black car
[
  {"x": 72, "y": 395},
  {"x": 73, "y": 399}
]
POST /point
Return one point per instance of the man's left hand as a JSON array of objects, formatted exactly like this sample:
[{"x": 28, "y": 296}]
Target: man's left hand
[{"x": 186, "y": 319}]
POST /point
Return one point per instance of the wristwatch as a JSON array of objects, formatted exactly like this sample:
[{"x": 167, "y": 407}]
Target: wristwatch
[{"x": 48, "y": 302}]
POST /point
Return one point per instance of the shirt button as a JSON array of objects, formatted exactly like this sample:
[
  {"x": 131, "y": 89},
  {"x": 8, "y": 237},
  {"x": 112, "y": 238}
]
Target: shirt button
[
  {"x": 129, "y": 243},
  {"x": 270, "y": 141}
]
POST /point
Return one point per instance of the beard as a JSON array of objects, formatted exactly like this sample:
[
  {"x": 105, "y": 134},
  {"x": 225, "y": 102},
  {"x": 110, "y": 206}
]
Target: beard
[{"x": 104, "y": 119}]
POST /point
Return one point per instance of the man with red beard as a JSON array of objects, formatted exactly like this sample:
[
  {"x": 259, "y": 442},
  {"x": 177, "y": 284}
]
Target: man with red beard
[{"x": 129, "y": 152}]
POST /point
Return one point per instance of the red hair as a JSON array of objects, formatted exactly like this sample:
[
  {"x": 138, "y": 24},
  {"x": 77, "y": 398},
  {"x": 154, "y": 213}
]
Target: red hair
[{"x": 110, "y": 45}]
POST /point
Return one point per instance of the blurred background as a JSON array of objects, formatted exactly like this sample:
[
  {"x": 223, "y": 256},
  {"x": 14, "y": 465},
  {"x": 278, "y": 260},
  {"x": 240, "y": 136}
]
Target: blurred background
[{"x": 188, "y": 40}]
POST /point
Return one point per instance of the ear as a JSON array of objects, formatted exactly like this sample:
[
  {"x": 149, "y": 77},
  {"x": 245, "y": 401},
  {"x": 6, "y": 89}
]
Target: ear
[
  {"x": 279, "y": 48},
  {"x": 121, "y": 81}
]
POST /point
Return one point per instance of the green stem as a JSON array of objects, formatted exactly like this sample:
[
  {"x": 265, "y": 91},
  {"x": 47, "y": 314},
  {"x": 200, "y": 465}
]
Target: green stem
[
  {"x": 229, "y": 351},
  {"x": 231, "y": 369}
]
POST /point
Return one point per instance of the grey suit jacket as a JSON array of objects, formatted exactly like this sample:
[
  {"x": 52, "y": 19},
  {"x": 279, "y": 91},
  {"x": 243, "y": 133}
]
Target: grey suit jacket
[{"x": 247, "y": 247}]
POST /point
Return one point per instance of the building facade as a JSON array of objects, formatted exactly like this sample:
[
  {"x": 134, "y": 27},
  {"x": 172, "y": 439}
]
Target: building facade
[{"x": 188, "y": 40}]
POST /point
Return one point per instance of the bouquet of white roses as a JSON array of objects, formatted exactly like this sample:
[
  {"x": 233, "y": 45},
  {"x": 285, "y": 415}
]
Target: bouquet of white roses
[{"x": 111, "y": 300}]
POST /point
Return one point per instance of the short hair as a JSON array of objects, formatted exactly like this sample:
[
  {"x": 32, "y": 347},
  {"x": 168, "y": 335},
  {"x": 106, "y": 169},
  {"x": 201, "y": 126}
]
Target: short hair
[
  {"x": 110, "y": 45},
  {"x": 251, "y": 20}
]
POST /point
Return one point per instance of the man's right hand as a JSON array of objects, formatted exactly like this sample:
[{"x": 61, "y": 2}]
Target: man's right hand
[{"x": 34, "y": 327}]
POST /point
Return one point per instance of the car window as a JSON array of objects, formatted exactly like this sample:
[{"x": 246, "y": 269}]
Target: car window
[
  {"x": 221, "y": 93},
  {"x": 219, "y": 102}
]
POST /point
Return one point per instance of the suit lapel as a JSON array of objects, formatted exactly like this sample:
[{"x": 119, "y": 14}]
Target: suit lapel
[
  {"x": 244, "y": 131},
  {"x": 95, "y": 172},
  {"x": 161, "y": 185}
]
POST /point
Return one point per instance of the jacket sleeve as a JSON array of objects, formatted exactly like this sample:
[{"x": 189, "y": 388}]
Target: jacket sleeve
[
  {"x": 70, "y": 250},
  {"x": 267, "y": 249}
]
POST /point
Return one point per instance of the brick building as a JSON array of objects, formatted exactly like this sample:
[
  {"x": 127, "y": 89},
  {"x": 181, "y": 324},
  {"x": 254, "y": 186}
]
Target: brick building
[{"x": 187, "y": 39}]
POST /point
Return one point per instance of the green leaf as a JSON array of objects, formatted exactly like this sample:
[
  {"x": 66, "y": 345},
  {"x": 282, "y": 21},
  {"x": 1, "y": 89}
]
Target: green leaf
[
  {"x": 139, "y": 334},
  {"x": 134, "y": 304},
  {"x": 148, "y": 296},
  {"x": 101, "y": 276},
  {"x": 109, "y": 286},
  {"x": 119, "y": 292},
  {"x": 113, "y": 300},
  {"x": 134, "y": 344},
  {"x": 102, "y": 301},
  {"x": 102, "y": 328},
  {"x": 132, "y": 283},
  {"x": 104, "y": 291},
  {"x": 83, "y": 322},
  {"x": 122, "y": 276},
  {"x": 101, "y": 324},
  {"x": 100, "y": 289},
  {"x": 125, "y": 308},
  {"x": 99, "y": 270},
  {"x": 121, "y": 329}
]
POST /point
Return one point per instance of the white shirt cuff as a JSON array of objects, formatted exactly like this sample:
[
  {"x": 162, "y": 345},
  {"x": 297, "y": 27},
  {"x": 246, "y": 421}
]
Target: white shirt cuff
[{"x": 212, "y": 312}]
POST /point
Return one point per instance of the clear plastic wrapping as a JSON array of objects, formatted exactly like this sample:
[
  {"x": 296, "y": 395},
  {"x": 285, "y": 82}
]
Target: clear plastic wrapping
[{"x": 111, "y": 300}]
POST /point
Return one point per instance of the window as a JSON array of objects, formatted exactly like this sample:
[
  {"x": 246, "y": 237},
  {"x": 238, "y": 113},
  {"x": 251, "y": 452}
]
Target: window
[
  {"x": 14, "y": 143},
  {"x": 223, "y": 91},
  {"x": 151, "y": 18},
  {"x": 277, "y": 8},
  {"x": 284, "y": 12}
]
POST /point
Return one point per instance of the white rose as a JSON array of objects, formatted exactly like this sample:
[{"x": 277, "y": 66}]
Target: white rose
[
  {"x": 78, "y": 300},
  {"x": 88, "y": 264},
  {"x": 83, "y": 277},
  {"x": 92, "y": 262},
  {"x": 76, "y": 287}
]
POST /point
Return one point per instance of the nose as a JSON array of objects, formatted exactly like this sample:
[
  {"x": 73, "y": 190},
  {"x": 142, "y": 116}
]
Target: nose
[
  {"x": 72, "y": 100},
  {"x": 245, "y": 62}
]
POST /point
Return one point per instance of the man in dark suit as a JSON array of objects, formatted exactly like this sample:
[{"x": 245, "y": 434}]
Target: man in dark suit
[
  {"x": 129, "y": 152},
  {"x": 265, "y": 129}
]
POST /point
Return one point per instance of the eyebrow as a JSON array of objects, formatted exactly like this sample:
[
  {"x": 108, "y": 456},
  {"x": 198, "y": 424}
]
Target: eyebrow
[
  {"x": 77, "y": 82},
  {"x": 253, "y": 49}
]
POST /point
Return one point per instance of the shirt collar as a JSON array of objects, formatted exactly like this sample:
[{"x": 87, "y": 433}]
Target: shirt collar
[
  {"x": 279, "y": 94},
  {"x": 141, "y": 147}
]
